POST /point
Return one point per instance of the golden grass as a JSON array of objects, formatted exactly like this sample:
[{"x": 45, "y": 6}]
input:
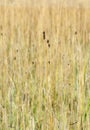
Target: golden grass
[{"x": 44, "y": 86}]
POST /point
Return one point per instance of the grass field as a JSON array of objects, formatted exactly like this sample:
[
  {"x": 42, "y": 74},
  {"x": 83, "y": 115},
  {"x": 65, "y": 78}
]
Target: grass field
[{"x": 44, "y": 68}]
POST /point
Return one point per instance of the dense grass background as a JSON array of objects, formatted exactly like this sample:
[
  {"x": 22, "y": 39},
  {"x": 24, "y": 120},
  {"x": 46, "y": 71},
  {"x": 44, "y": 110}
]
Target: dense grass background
[{"x": 44, "y": 83}]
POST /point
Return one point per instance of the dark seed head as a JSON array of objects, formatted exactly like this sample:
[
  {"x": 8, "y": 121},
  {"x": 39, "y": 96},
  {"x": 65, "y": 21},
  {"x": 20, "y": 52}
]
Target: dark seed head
[
  {"x": 1, "y": 34},
  {"x": 14, "y": 58},
  {"x": 76, "y": 33},
  {"x": 47, "y": 41},
  {"x": 48, "y": 62},
  {"x": 48, "y": 45},
  {"x": 43, "y": 32},
  {"x": 44, "y": 35},
  {"x": 33, "y": 62}
]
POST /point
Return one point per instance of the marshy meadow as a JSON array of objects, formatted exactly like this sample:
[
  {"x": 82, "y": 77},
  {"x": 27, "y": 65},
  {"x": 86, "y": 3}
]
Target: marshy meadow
[{"x": 44, "y": 67}]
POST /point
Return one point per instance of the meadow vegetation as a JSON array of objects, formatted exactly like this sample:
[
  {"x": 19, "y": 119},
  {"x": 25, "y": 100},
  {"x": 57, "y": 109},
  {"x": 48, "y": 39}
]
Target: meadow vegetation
[{"x": 44, "y": 68}]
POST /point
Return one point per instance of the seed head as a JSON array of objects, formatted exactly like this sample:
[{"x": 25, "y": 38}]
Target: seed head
[
  {"x": 49, "y": 45},
  {"x": 48, "y": 62},
  {"x": 76, "y": 33},
  {"x": 33, "y": 62},
  {"x": 14, "y": 58},
  {"x": 44, "y": 35},
  {"x": 47, "y": 41}
]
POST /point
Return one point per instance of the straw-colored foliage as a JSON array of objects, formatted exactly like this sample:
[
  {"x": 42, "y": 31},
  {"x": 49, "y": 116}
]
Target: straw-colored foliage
[{"x": 44, "y": 83}]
